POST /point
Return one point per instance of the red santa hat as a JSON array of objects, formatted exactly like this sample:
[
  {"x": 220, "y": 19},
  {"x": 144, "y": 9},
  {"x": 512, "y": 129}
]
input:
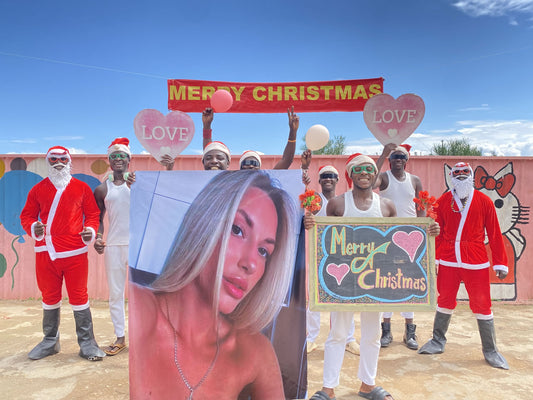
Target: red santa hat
[
  {"x": 327, "y": 168},
  {"x": 119, "y": 144},
  {"x": 353, "y": 161},
  {"x": 58, "y": 151},
  {"x": 216, "y": 145},
  {"x": 248, "y": 154},
  {"x": 403, "y": 148}
]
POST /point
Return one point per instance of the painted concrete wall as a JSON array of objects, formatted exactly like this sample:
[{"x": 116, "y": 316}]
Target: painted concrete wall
[{"x": 504, "y": 180}]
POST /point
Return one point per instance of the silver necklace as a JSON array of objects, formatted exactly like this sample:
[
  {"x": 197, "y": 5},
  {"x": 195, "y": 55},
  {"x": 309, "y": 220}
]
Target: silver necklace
[{"x": 178, "y": 366}]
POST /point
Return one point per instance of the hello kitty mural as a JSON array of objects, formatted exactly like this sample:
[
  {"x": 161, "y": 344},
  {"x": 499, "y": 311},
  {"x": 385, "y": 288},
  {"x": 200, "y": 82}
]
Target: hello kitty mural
[{"x": 511, "y": 213}]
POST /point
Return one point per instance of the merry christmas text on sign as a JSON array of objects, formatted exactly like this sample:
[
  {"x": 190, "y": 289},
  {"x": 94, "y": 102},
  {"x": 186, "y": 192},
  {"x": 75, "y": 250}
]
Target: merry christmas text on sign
[
  {"x": 347, "y": 95},
  {"x": 378, "y": 264}
]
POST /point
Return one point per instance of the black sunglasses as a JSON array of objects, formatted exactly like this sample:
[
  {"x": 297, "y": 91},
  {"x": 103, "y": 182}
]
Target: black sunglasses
[
  {"x": 250, "y": 161},
  {"x": 398, "y": 157},
  {"x": 329, "y": 176}
]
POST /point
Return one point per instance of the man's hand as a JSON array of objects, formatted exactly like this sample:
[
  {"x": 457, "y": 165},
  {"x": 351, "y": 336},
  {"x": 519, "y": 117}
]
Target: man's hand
[
  {"x": 294, "y": 120},
  {"x": 99, "y": 245},
  {"x": 434, "y": 229},
  {"x": 501, "y": 274},
  {"x": 86, "y": 234},
  {"x": 131, "y": 179},
  {"x": 389, "y": 148},
  {"x": 38, "y": 229},
  {"x": 306, "y": 159},
  {"x": 167, "y": 162},
  {"x": 207, "y": 117},
  {"x": 309, "y": 220}
]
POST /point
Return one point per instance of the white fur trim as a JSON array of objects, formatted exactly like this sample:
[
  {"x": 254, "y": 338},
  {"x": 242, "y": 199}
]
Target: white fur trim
[{"x": 248, "y": 154}]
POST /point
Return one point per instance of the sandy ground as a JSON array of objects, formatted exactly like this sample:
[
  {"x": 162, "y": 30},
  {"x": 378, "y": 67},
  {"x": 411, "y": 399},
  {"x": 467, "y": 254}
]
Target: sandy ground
[{"x": 459, "y": 373}]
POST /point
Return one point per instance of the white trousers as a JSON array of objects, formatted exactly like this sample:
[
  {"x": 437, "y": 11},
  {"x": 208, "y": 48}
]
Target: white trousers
[
  {"x": 336, "y": 342},
  {"x": 116, "y": 265},
  {"x": 313, "y": 327},
  {"x": 405, "y": 314}
]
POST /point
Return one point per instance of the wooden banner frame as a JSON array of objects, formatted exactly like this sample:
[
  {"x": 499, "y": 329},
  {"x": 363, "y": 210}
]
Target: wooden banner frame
[{"x": 397, "y": 274}]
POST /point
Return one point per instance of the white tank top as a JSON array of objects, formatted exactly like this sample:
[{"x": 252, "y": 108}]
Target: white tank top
[
  {"x": 350, "y": 209},
  {"x": 322, "y": 211},
  {"x": 117, "y": 205},
  {"x": 401, "y": 193}
]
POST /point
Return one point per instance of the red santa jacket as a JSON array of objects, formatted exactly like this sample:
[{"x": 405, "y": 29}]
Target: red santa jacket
[
  {"x": 64, "y": 212},
  {"x": 462, "y": 234}
]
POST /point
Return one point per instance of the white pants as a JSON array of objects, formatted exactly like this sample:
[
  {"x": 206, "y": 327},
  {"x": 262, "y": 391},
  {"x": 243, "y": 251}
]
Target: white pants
[
  {"x": 336, "y": 342},
  {"x": 313, "y": 327},
  {"x": 116, "y": 265},
  {"x": 405, "y": 314}
]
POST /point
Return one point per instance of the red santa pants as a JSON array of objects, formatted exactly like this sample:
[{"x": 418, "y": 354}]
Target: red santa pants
[
  {"x": 477, "y": 284},
  {"x": 50, "y": 276}
]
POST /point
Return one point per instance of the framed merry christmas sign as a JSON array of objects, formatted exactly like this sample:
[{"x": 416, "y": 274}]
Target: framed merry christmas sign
[{"x": 371, "y": 264}]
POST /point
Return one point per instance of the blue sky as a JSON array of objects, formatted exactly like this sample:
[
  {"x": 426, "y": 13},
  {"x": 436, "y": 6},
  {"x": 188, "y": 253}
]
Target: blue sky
[{"x": 76, "y": 73}]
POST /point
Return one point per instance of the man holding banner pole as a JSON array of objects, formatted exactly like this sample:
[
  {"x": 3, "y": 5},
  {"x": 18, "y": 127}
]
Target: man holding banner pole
[{"x": 250, "y": 159}]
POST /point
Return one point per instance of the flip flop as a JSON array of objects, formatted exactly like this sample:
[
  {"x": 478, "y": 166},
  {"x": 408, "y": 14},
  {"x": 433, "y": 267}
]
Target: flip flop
[
  {"x": 114, "y": 349},
  {"x": 378, "y": 393},
  {"x": 320, "y": 395}
]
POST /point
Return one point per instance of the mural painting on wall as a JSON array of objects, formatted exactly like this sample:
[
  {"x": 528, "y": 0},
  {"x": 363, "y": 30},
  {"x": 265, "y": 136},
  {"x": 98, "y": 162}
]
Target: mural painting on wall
[
  {"x": 510, "y": 215},
  {"x": 14, "y": 188}
]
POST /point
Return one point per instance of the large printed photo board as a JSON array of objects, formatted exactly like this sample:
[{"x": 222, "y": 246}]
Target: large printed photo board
[
  {"x": 378, "y": 264},
  {"x": 217, "y": 285}
]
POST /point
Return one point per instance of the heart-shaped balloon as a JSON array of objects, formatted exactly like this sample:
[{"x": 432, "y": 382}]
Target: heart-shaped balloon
[
  {"x": 160, "y": 134},
  {"x": 393, "y": 121}
]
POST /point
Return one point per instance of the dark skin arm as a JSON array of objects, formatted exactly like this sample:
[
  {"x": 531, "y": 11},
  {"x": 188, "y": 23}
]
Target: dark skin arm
[
  {"x": 290, "y": 147},
  {"x": 207, "y": 118},
  {"x": 382, "y": 180},
  {"x": 99, "y": 194}
]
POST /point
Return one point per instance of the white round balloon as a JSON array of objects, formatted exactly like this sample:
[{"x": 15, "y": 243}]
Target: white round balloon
[{"x": 316, "y": 137}]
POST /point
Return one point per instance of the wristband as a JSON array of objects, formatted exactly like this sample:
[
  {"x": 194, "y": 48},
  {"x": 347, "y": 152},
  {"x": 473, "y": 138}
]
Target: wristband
[{"x": 291, "y": 141}]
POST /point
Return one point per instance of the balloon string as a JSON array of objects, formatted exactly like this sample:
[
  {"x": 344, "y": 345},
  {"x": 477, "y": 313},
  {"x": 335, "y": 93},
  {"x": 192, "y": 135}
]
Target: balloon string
[{"x": 16, "y": 262}]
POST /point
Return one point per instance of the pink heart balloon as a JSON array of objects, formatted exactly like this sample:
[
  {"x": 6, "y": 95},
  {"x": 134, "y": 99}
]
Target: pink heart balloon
[
  {"x": 160, "y": 134},
  {"x": 338, "y": 271},
  {"x": 408, "y": 242},
  {"x": 393, "y": 121}
]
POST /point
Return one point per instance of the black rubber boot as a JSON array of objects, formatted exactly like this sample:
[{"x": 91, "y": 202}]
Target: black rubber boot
[
  {"x": 386, "y": 335},
  {"x": 440, "y": 327},
  {"x": 84, "y": 329},
  {"x": 50, "y": 343},
  {"x": 488, "y": 344},
  {"x": 409, "y": 338}
]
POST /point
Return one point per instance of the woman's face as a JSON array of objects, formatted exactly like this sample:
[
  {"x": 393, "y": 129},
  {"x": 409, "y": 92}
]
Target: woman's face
[{"x": 252, "y": 241}]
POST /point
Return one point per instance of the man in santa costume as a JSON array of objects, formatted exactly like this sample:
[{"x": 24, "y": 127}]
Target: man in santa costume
[
  {"x": 62, "y": 216},
  {"x": 464, "y": 215},
  {"x": 113, "y": 197}
]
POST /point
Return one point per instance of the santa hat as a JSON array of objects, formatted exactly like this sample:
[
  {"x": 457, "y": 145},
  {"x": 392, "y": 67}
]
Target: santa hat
[
  {"x": 327, "y": 168},
  {"x": 120, "y": 144},
  {"x": 461, "y": 165},
  {"x": 248, "y": 154},
  {"x": 217, "y": 146},
  {"x": 353, "y": 161},
  {"x": 403, "y": 148},
  {"x": 58, "y": 151}
]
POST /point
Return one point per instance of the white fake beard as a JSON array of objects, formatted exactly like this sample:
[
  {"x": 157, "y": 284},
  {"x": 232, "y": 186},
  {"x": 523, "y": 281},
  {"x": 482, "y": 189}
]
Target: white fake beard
[
  {"x": 60, "y": 178},
  {"x": 463, "y": 188}
]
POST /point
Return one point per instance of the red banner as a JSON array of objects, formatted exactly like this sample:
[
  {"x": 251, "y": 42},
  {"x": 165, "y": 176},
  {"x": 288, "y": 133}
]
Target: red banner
[{"x": 351, "y": 95}]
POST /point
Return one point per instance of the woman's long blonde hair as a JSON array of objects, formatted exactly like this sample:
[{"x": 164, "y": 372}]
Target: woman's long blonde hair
[{"x": 206, "y": 227}]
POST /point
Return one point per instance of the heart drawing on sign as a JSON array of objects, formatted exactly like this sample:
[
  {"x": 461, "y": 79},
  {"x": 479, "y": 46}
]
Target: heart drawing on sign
[
  {"x": 163, "y": 135},
  {"x": 393, "y": 120},
  {"x": 338, "y": 271},
  {"x": 408, "y": 242}
]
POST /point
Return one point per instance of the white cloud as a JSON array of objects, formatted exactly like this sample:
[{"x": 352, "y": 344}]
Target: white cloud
[
  {"x": 496, "y": 8},
  {"x": 73, "y": 150},
  {"x": 483, "y": 107}
]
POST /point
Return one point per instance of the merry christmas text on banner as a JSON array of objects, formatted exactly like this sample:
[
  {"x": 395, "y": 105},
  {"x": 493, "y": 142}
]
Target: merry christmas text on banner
[{"x": 347, "y": 95}]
